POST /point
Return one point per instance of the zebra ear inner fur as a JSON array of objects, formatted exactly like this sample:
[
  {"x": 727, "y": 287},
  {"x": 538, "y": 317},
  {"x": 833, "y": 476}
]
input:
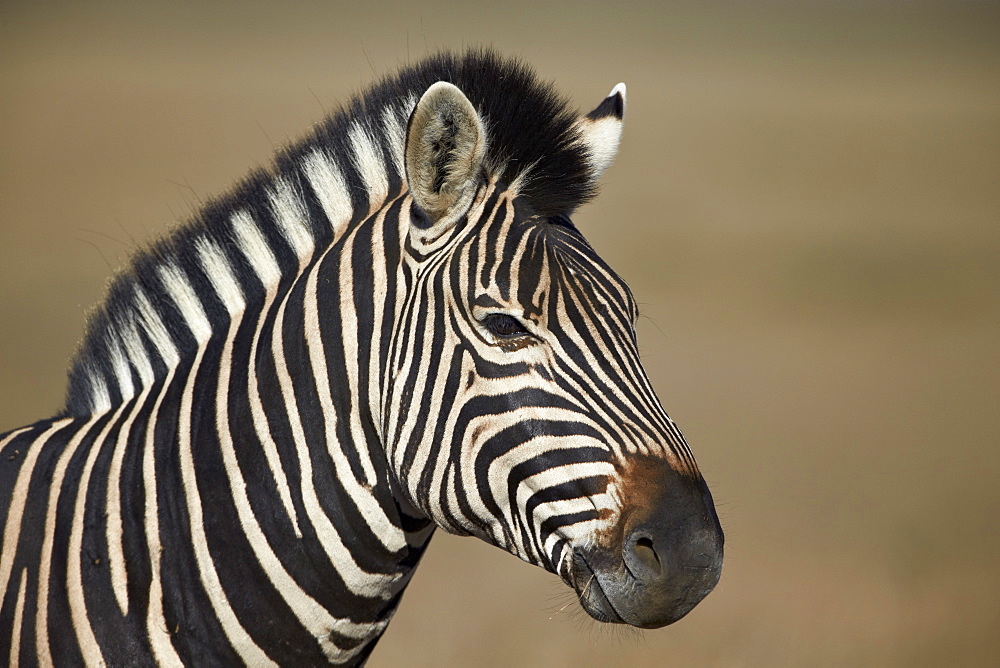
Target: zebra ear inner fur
[
  {"x": 601, "y": 130},
  {"x": 445, "y": 147}
]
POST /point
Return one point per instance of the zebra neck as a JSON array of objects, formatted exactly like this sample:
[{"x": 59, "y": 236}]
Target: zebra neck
[
  {"x": 245, "y": 356},
  {"x": 243, "y": 483}
]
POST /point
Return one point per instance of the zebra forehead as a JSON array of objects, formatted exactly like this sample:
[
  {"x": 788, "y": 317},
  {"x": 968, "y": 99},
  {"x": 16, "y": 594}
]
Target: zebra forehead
[
  {"x": 575, "y": 266},
  {"x": 554, "y": 257}
]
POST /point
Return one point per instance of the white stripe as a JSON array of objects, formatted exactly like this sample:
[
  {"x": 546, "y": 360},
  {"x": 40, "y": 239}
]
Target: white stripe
[
  {"x": 328, "y": 183},
  {"x": 220, "y": 273},
  {"x": 156, "y": 624},
  {"x": 559, "y": 475},
  {"x": 8, "y": 546},
  {"x": 45, "y": 559},
  {"x": 136, "y": 353},
  {"x": 11, "y": 436},
  {"x": 251, "y": 241},
  {"x": 379, "y": 278},
  {"x": 152, "y": 325},
  {"x": 370, "y": 164},
  {"x": 293, "y": 220},
  {"x": 116, "y": 551},
  {"x": 15, "y": 641},
  {"x": 123, "y": 374},
  {"x": 395, "y": 135},
  {"x": 179, "y": 288},
  {"x": 100, "y": 398}
]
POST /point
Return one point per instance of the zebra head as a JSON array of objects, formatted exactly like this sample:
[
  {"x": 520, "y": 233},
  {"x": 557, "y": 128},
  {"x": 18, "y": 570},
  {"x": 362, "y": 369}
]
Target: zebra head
[{"x": 517, "y": 409}]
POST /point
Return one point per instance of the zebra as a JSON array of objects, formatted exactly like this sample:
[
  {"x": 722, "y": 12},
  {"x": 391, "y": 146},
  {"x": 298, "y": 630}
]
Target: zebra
[{"x": 395, "y": 327}]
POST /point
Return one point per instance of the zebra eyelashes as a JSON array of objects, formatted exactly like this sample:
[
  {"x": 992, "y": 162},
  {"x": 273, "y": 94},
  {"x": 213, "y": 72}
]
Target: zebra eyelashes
[{"x": 504, "y": 326}]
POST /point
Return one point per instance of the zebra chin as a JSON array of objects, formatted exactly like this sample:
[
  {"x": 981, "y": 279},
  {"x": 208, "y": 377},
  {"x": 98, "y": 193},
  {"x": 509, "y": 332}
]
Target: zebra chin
[{"x": 660, "y": 560}]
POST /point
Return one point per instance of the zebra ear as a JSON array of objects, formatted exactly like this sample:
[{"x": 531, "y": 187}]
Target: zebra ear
[
  {"x": 445, "y": 146},
  {"x": 601, "y": 130}
]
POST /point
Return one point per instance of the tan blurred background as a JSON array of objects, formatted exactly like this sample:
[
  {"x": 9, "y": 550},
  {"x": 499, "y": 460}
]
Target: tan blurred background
[{"x": 806, "y": 204}]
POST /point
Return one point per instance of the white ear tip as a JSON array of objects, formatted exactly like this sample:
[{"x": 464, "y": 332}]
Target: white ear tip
[{"x": 619, "y": 90}]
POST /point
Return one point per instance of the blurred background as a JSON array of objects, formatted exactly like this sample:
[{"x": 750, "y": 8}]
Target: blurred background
[{"x": 806, "y": 204}]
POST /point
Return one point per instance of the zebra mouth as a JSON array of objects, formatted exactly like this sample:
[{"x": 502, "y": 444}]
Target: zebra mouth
[{"x": 590, "y": 593}]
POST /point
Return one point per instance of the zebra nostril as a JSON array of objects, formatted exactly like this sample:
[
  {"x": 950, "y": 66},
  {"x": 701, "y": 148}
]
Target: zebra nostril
[{"x": 645, "y": 559}]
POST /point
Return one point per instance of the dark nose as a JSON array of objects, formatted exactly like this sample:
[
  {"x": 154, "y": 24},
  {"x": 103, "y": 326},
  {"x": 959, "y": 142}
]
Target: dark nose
[{"x": 673, "y": 552}]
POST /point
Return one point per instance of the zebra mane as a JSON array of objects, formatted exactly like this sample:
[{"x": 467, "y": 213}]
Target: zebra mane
[{"x": 532, "y": 141}]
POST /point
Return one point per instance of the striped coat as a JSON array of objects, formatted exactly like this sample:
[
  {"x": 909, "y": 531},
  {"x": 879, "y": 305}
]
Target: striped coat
[{"x": 396, "y": 327}]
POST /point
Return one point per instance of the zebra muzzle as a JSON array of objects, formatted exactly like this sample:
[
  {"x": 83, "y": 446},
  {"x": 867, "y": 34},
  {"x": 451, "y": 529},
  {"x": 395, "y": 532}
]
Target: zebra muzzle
[{"x": 663, "y": 557}]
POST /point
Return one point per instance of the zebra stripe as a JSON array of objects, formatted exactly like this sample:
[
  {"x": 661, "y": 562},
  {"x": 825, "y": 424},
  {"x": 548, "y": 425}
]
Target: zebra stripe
[
  {"x": 45, "y": 561},
  {"x": 116, "y": 550},
  {"x": 14, "y": 659}
]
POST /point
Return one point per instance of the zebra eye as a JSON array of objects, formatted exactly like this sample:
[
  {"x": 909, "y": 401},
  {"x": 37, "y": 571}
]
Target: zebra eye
[{"x": 504, "y": 326}]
